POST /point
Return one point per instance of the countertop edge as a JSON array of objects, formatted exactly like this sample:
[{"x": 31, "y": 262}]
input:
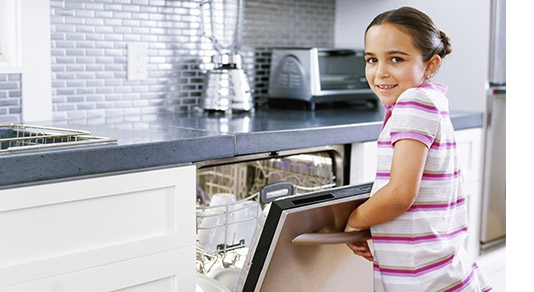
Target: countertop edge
[{"x": 43, "y": 166}]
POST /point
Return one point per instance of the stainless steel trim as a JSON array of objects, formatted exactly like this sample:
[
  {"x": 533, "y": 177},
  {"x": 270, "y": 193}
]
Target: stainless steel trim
[
  {"x": 497, "y": 52},
  {"x": 269, "y": 256},
  {"x": 91, "y": 140},
  {"x": 31, "y": 137},
  {"x": 493, "y": 216},
  {"x": 315, "y": 82}
]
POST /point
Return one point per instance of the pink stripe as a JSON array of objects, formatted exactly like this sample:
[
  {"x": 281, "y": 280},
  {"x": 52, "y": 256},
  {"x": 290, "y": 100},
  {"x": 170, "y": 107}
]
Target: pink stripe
[
  {"x": 465, "y": 282},
  {"x": 417, "y": 105},
  {"x": 447, "y": 145},
  {"x": 420, "y": 106},
  {"x": 417, "y": 239},
  {"x": 440, "y": 176},
  {"x": 383, "y": 175},
  {"x": 441, "y": 88},
  {"x": 425, "y": 139},
  {"x": 435, "y": 207},
  {"x": 435, "y": 145},
  {"x": 416, "y": 272},
  {"x": 426, "y": 176},
  {"x": 384, "y": 144}
]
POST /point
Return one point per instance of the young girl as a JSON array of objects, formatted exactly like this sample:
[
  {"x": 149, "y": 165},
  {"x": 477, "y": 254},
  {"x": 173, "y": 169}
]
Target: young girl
[{"x": 417, "y": 210}]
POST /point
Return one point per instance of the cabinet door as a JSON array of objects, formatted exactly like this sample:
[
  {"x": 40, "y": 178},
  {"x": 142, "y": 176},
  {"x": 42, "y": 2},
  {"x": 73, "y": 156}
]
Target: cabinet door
[
  {"x": 469, "y": 151},
  {"x": 363, "y": 162},
  {"x": 162, "y": 272},
  {"x": 60, "y": 228}
]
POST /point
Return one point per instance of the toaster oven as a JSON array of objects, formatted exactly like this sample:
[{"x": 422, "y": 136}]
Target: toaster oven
[{"x": 319, "y": 75}]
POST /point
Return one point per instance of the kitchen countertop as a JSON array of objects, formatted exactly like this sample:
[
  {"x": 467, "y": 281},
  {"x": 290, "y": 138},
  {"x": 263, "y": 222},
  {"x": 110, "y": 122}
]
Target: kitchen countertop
[{"x": 168, "y": 138}]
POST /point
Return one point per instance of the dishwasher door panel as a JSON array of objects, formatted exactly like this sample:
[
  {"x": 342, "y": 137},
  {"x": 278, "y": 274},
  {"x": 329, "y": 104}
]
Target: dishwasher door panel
[{"x": 276, "y": 264}]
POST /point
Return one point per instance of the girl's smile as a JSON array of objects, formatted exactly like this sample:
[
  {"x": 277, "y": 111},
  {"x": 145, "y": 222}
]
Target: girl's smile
[{"x": 394, "y": 64}]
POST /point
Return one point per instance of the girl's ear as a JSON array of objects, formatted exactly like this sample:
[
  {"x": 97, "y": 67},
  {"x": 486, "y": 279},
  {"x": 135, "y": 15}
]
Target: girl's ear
[{"x": 432, "y": 65}]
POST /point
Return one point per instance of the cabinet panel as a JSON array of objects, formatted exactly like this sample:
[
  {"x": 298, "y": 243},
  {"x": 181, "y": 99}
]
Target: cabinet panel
[
  {"x": 74, "y": 226},
  {"x": 59, "y": 228},
  {"x": 363, "y": 162},
  {"x": 472, "y": 191},
  {"x": 469, "y": 151},
  {"x": 159, "y": 272}
]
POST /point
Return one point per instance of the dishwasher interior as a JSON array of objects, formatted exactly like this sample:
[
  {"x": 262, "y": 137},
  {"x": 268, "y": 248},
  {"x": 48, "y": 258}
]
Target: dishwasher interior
[{"x": 234, "y": 193}]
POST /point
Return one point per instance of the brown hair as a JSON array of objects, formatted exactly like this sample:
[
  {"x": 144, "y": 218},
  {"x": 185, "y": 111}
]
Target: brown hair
[{"x": 426, "y": 36}]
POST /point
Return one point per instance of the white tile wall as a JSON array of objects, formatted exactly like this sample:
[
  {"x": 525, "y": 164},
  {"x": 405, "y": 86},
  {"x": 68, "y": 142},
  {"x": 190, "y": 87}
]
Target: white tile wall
[
  {"x": 89, "y": 41},
  {"x": 10, "y": 98}
]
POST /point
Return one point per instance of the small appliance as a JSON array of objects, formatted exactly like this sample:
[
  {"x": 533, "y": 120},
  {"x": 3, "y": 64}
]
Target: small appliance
[
  {"x": 226, "y": 86},
  {"x": 319, "y": 75}
]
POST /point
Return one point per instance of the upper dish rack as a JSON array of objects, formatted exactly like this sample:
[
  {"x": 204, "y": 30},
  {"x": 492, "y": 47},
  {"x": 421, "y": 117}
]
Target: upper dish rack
[{"x": 27, "y": 137}]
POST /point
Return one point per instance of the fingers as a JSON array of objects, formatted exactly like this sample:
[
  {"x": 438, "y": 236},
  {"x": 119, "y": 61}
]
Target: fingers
[{"x": 361, "y": 248}]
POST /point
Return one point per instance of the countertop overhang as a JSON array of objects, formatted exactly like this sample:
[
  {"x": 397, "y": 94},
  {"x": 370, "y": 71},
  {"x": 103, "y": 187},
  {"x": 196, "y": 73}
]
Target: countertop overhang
[{"x": 167, "y": 139}]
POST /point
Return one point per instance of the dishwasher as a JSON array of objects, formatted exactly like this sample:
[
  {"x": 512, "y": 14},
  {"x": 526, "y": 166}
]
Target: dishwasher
[{"x": 274, "y": 221}]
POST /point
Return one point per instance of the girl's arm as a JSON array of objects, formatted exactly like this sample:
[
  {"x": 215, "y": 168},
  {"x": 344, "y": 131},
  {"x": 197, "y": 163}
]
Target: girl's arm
[{"x": 399, "y": 193}]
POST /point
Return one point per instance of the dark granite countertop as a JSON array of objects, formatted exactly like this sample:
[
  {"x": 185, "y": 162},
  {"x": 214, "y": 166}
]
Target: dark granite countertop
[{"x": 168, "y": 139}]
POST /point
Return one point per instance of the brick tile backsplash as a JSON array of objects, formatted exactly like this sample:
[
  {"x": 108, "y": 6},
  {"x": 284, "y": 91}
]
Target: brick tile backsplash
[
  {"x": 89, "y": 61},
  {"x": 10, "y": 98}
]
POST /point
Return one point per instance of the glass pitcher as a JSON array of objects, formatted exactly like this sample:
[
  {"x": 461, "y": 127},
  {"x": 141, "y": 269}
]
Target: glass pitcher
[{"x": 221, "y": 24}]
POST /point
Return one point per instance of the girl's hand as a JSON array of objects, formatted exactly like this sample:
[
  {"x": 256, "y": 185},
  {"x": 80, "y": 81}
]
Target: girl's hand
[{"x": 362, "y": 249}]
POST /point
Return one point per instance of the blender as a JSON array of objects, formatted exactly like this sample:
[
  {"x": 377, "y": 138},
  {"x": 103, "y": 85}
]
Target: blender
[{"x": 226, "y": 86}]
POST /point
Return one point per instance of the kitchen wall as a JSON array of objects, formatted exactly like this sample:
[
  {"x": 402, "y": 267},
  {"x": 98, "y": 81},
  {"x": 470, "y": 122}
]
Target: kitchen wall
[
  {"x": 467, "y": 23},
  {"x": 10, "y": 98},
  {"x": 89, "y": 41}
]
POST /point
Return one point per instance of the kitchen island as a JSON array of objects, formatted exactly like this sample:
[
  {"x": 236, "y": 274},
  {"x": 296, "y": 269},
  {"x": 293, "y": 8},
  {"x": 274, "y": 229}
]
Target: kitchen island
[{"x": 166, "y": 139}]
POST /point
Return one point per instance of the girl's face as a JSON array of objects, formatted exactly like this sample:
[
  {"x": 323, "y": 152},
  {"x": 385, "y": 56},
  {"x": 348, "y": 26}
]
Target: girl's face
[{"x": 393, "y": 63}]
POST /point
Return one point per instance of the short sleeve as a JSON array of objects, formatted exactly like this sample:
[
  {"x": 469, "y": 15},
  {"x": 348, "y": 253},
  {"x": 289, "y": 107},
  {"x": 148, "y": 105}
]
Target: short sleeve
[{"x": 415, "y": 117}]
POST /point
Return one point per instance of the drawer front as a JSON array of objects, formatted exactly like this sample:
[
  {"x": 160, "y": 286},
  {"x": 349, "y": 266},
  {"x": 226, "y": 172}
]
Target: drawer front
[
  {"x": 63, "y": 227},
  {"x": 159, "y": 272}
]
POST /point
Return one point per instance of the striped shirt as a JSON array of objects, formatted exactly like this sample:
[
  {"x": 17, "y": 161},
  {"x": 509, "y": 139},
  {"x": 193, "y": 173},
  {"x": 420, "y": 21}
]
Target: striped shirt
[{"x": 422, "y": 250}]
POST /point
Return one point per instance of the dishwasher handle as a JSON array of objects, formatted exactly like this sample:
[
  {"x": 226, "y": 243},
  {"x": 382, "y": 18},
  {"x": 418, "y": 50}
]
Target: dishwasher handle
[
  {"x": 331, "y": 237},
  {"x": 275, "y": 191}
]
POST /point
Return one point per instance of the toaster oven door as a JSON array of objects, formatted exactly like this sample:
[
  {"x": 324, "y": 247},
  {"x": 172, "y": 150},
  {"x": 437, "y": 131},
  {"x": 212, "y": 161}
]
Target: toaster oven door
[{"x": 341, "y": 70}]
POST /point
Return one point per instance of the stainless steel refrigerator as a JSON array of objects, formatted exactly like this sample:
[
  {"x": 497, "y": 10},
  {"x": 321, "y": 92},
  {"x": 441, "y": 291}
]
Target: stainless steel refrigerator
[{"x": 493, "y": 231}]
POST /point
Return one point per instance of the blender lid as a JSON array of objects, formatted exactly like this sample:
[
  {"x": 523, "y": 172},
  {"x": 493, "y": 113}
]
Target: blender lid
[{"x": 274, "y": 263}]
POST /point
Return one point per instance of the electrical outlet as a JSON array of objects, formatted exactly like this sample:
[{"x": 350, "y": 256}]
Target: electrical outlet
[{"x": 137, "y": 61}]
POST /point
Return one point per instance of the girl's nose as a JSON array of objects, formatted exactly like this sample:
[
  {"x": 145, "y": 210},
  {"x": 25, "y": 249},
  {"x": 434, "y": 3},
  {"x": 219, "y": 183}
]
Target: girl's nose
[{"x": 381, "y": 71}]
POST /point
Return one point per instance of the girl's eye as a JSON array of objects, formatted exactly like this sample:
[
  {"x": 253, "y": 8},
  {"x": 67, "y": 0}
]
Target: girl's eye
[
  {"x": 396, "y": 59},
  {"x": 371, "y": 60}
]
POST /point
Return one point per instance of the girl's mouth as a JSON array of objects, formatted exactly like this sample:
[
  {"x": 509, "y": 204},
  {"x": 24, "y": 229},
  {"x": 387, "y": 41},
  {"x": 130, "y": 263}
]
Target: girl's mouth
[{"x": 385, "y": 88}]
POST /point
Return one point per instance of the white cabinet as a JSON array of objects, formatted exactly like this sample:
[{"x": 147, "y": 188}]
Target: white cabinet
[
  {"x": 125, "y": 232},
  {"x": 363, "y": 162},
  {"x": 469, "y": 152},
  {"x": 363, "y": 170}
]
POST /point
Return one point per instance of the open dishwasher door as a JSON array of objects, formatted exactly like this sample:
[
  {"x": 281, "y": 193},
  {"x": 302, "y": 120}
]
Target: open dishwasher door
[{"x": 274, "y": 263}]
